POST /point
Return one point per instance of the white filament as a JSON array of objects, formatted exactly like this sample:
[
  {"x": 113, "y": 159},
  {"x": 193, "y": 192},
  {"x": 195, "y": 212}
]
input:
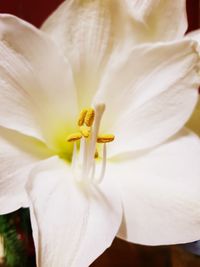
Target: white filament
[
  {"x": 74, "y": 156},
  {"x": 103, "y": 167}
]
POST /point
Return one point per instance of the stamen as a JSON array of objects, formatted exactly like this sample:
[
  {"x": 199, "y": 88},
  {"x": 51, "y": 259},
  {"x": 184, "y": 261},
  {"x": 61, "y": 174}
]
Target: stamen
[
  {"x": 105, "y": 138},
  {"x": 83, "y": 162},
  {"x": 74, "y": 137},
  {"x": 89, "y": 117},
  {"x": 83, "y": 154},
  {"x": 74, "y": 157},
  {"x": 99, "y": 110},
  {"x": 96, "y": 155},
  {"x": 93, "y": 171},
  {"x": 81, "y": 117},
  {"x": 103, "y": 168},
  {"x": 85, "y": 131}
]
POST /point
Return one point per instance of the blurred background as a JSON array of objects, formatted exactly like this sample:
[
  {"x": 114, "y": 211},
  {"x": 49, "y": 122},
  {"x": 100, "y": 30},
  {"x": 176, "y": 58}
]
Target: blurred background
[{"x": 15, "y": 228}]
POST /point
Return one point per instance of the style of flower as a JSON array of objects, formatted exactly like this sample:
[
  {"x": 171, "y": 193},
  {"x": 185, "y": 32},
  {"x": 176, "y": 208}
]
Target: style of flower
[{"x": 93, "y": 129}]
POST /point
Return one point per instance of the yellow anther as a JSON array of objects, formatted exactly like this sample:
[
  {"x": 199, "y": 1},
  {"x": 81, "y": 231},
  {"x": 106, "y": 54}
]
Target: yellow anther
[
  {"x": 74, "y": 137},
  {"x": 81, "y": 117},
  {"x": 85, "y": 131},
  {"x": 89, "y": 117},
  {"x": 96, "y": 155},
  {"x": 105, "y": 138}
]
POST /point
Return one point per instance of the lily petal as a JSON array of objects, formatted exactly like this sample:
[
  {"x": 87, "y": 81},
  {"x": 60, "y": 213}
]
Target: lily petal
[
  {"x": 18, "y": 154},
  {"x": 160, "y": 193},
  {"x": 73, "y": 222},
  {"x": 149, "y": 93},
  {"x": 87, "y": 32},
  {"x": 36, "y": 83},
  {"x": 157, "y": 20}
]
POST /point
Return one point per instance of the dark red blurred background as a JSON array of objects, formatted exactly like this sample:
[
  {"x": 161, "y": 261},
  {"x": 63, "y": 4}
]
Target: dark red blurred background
[
  {"x": 35, "y": 11},
  {"x": 121, "y": 254}
]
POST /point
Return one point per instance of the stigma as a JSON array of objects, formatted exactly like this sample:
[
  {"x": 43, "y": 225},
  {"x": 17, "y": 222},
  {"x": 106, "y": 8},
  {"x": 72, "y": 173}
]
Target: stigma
[{"x": 86, "y": 138}]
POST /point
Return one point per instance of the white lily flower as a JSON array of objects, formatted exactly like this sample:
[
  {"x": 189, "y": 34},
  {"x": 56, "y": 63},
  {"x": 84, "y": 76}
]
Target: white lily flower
[{"x": 139, "y": 187}]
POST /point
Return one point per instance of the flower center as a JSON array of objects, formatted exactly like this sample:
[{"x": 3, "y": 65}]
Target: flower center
[{"x": 84, "y": 160}]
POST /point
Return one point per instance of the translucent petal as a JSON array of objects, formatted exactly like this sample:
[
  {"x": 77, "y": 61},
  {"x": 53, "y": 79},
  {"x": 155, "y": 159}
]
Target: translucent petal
[
  {"x": 149, "y": 92},
  {"x": 73, "y": 223},
  {"x": 160, "y": 192},
  {"x": 18, "y": 155},
  {"x": 157, "y": 20},
  {"x": 37, "y": 95},
  {"x": 87, "y": 32}
]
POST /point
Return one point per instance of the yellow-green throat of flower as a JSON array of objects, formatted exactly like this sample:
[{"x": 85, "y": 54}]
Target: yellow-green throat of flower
[{"x": 84, "y": 161}]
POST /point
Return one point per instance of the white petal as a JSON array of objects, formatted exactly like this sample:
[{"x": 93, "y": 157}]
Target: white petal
[
  {"x": 160, "y": 193},
  {"x": 37, "y": 93},
  {"x": 18, "y": 154},
  {"x": 73, "y": 223},
  {"x": 157, "y": 20},
  {"x": 87, "y": 32},
  {"x": 149, "y": 93}
]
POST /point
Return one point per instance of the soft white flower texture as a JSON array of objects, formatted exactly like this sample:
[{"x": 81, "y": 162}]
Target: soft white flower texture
[{"x": 149, "y": 193}]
